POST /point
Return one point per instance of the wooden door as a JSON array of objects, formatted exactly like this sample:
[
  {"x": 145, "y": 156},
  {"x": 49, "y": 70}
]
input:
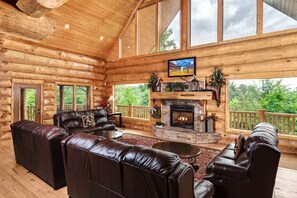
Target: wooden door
[{"x": 27, "y": 102}]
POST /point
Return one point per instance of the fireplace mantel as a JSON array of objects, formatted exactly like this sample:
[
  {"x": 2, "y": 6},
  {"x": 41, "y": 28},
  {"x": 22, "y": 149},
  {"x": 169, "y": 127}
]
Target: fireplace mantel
[{"x": 200, "y": 95}]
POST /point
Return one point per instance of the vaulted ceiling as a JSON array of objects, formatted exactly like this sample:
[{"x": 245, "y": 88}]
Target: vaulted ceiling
[{"x": 88, "y": 21}]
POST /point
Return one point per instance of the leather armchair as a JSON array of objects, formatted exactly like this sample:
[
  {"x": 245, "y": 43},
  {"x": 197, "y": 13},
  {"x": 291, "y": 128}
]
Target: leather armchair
[{"x": 253, "y": 173}]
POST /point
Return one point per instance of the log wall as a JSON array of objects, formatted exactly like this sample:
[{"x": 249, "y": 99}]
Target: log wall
[
  {"x": 30, "y": 63},
  {"x": 264, "y": 56}
]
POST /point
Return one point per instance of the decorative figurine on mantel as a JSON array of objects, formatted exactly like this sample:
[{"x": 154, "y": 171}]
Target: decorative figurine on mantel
[{"x": 194, "y": 84}]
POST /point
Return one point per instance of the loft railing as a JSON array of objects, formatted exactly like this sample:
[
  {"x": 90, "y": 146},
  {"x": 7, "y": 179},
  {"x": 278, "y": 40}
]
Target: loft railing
[
  {"x": 134, "y": 111},
  {"x": 246, "y": 120}
]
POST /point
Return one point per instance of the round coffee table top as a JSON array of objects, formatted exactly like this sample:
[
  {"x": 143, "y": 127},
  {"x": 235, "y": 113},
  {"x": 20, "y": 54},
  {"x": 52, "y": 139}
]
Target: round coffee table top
[
  {"x": 109, "y": 134},
  {"x": 183, "y": 150}
]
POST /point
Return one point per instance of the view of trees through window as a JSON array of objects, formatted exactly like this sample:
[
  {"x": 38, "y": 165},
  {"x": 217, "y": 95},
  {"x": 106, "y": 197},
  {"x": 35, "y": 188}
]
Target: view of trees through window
[
  {"x": 273, "y": 95},
  {"x": 269, "y": 100},
  {"x": 65, "y": 97},
  {"x": 132, "y": 100}
]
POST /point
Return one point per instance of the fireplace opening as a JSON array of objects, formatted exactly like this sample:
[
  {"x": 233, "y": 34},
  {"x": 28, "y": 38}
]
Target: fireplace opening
[{"x": 182, "y": 116}]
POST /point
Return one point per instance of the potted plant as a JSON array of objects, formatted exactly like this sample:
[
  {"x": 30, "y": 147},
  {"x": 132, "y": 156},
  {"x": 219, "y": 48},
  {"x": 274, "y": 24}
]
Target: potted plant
[
  {"x": 155, "y": 82},
  {"x": 217, "y": 80}
]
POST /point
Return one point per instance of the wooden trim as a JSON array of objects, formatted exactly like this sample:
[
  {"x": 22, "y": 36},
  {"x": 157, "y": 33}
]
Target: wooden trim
[
  {"x": 205, "y": 95},
  {"x": 185, "y": 24},
  {"x": 69, "y": 83},
  {"x": 227, "y": 114},
  {"x": 26, "y": 81},
  {"x": 259, "y": 17},
  {"x": 157, "y": 27},
  {"x": 220, "y": 20}
]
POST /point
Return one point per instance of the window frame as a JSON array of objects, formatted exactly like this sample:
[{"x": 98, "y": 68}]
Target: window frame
[{"x": 90, "y": 94}]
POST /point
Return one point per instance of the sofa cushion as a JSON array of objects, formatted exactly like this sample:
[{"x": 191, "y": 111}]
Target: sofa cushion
[
  {"x": 239, "y": 145},
  {"x": 79, "y": 130},
  {"x": 228, "y": 153},
  {"x": 88, "y": 121}
]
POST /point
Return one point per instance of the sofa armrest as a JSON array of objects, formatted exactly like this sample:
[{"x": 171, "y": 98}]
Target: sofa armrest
[{"x": 229, "y": 170}]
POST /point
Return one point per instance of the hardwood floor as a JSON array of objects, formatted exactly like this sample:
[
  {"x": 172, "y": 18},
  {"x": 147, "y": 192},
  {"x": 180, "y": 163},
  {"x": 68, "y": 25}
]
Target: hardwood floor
[{"x": 18, "y": 182}]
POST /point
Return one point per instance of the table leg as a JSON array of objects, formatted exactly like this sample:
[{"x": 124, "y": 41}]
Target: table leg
[{"x": 192, "y": 161}]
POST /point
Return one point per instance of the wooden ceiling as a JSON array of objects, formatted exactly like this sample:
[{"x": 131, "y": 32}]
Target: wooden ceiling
[
  {"x": 288, "y": 7},
  {"x": 88, "y": 21}
]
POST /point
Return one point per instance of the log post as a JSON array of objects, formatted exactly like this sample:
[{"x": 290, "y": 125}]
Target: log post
[
  {"x": 261, "y": 115},
  {"x": 130, "y": 111}
]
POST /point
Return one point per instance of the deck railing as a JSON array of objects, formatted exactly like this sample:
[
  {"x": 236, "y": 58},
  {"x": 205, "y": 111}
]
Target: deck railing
[
  {"x": 30, "y": 113},
  {"x": 246, "y": 120},
  {"x": 69, "y": 107},
  {"x": 134, "y": 111}
]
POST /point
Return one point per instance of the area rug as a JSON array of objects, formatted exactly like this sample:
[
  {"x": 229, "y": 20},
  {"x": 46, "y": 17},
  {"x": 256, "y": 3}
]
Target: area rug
[{"x": 202, "y": 160}]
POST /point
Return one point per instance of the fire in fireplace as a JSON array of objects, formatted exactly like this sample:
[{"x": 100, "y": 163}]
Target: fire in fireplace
[{"x": 182, "y": 116}]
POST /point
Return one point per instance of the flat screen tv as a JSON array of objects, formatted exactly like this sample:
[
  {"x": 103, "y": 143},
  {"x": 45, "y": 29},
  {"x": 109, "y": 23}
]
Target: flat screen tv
[{"x": 182, "y": 67}]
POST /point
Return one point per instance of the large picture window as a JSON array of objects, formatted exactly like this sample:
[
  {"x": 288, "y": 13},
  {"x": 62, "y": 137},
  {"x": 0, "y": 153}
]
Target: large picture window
[
  {"x": 240, "y": 19},
  {"x": 132, "y": 100},
  {"x": 72, "y": 97},
  {"x": 204, "y": 14},
  {"x": 169, "y": 25}
]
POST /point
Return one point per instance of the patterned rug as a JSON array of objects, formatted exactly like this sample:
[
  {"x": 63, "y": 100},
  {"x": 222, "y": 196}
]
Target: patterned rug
[{"x": 203, "y": 159}]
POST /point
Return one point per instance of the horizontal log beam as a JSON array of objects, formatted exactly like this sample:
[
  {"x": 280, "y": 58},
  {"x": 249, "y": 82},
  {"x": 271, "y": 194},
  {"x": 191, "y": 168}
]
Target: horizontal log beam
[
  {"x": 55, "y": 72},
  {"x": 38, "y": 8},
  {"x": 12, "y": 56},
  {"x": 35, "y": 49}
]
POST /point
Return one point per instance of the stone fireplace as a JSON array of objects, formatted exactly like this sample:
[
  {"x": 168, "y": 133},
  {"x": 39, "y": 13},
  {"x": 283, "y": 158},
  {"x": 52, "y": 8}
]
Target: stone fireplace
[{"x": 182, "y": 122}]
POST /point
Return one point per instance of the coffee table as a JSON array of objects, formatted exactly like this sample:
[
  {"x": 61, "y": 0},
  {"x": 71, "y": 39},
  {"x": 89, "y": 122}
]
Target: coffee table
[
  {"x": 183, "y": 150},
  {"x": 109, "y": 134}
]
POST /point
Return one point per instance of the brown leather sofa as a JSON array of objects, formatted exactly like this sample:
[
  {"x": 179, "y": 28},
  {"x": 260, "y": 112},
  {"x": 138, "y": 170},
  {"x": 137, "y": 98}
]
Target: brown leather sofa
[
  {"x": 98, "y": 167},
  {"x": 253, "y": 173},
  {"x": 72, "y": 121},
  {"x": 37, "y": 148}
]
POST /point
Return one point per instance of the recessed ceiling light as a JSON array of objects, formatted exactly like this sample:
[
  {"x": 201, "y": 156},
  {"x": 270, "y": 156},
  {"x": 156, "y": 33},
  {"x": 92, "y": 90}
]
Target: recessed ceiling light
[
  {"x": 101, "y": 37},
  {"x": 128, "y": 47},
  {"x": 66, "y": 26}
]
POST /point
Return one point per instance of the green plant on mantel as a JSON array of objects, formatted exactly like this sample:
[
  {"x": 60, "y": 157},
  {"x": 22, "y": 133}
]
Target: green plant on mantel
[{"x": 217, "y": 80}]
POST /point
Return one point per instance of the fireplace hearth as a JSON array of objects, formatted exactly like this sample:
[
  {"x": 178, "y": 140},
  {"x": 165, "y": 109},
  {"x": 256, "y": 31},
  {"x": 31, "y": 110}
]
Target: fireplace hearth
[{"x": 182, "y": 116}]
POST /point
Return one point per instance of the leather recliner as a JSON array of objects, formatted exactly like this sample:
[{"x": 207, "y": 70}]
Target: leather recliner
[
  {"x": 98, "y": 167},
  {"x": 37, "y": 148},
  {"x": 253, "y": 173},
  {"x": 72, "y": 121}
]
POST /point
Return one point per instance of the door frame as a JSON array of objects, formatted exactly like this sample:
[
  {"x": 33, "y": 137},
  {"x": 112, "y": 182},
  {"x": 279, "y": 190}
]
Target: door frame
[{"x": 22, "y": 83}]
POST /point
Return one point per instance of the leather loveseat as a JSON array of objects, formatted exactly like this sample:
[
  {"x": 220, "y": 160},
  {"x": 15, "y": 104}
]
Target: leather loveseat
[
  {"x": 38, "y": 148},
  {"x": 72, "y": 121},
  {"x": 253, "y": 173},
  {"x": 99, "y": 167}
]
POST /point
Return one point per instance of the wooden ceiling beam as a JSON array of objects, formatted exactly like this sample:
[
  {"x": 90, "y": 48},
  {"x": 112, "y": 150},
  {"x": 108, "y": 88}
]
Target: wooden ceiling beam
[{"x": 38, "y": 8}]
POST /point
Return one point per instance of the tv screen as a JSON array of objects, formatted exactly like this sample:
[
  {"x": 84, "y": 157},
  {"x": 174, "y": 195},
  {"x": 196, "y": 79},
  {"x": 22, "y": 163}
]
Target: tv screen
[{"x": 182, "y": 67}]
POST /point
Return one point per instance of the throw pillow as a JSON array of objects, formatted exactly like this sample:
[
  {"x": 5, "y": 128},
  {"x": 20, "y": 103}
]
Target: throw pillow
[
  {"x": 239, "y": 145},
  {"x": 88, "y": 121}
]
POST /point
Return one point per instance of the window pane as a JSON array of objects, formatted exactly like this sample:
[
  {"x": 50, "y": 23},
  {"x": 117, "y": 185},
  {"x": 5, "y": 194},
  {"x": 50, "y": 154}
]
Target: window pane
[
  {"x": 82, "y": 98},
  {"x": 146, "y": 29},
  {"x": 132, "y": 100},
  {"x": 30, "y": 95},
  {"x": 275, "y": 20},
  {"x": 68, "y": 98},
  {"x": 169, "y": 25},
  {"x": 128, "y": 40},
  {"x": 204, "y": 14},
  {"x": 240, "y": 19}
]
